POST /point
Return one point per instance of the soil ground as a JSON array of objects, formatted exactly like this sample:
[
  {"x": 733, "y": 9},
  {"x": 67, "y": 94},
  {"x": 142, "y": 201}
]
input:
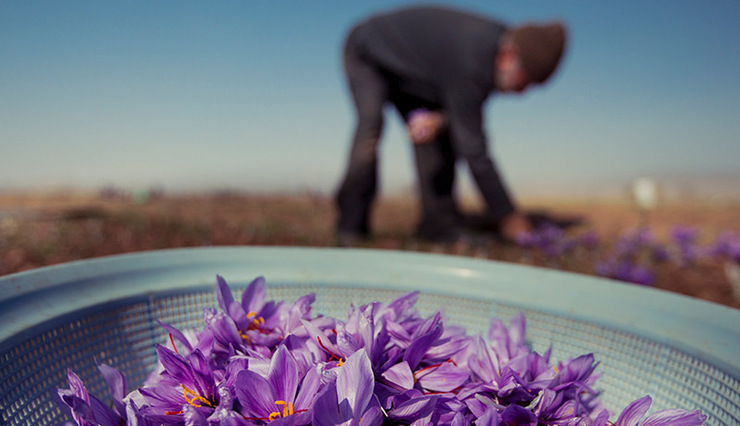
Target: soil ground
[{"x": 40, "y": 229}]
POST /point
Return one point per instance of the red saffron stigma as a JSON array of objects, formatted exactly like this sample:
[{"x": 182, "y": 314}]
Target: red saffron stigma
[
  {"x": 172, "y": 413},
  {"x": 434, "y": 366},
  {"x": 333, "y": 355},
  {"x": 172, "y": 340}
]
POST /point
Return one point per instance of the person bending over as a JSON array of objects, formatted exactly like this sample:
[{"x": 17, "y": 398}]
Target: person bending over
[{"x": 437, "y": 66}]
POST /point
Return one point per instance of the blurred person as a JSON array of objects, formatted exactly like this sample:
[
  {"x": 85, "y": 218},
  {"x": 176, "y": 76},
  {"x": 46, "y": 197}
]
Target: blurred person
[{"x": 438, "y": 66}]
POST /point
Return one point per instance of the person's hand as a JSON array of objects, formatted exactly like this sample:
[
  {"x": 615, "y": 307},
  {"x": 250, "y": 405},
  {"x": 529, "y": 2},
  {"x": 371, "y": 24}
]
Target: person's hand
[
  {"x": 515, "y": 225},
  {"x": 424, "y": 126}
]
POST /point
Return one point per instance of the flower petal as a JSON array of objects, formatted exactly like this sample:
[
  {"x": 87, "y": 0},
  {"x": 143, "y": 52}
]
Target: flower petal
[
  {"x": 675, "y": 417},
  {"x": 355, "y": 382},
  {"x": 253, "y": 298},
  {"x": 414, "y": 408},
  {"x": 116, "y": 384},
  {"x": 325, "y": 408},
  {"x": 445, "y": 378},
  {"x": 489, "y": 418},
  {"x": 634, "y": 411},
  {"x": 223, "y": 293},
  {"x": 516, "y": 415},
  {"x": 399, "y": 376},
  {"x": 283, "y": 375},
  {"x": 420, "y": 345},
  {"x": 254, "y": 394}
]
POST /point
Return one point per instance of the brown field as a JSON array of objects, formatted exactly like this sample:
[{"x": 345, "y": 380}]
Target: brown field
[{"x": 39, "y": 229}]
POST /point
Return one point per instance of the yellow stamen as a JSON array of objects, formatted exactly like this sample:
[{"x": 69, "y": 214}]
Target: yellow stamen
[
  {"x": 287, "y": 410},
  {"x": 196, "y": 397},
  {"x": 256, "y": 322}
]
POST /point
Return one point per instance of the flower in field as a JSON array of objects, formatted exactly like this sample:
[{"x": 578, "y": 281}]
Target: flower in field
[
  {"x": 625, "y": 270},
  {"x": 726, "y": 246},
  {"x": 685, "y": 238}
]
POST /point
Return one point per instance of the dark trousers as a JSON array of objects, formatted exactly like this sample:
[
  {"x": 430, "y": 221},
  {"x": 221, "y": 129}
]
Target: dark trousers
[{"x": 435, "y": 161}]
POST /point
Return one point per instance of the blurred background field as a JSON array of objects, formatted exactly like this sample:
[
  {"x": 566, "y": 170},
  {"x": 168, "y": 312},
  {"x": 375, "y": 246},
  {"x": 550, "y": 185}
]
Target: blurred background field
[{"x": 692, "y": 247}]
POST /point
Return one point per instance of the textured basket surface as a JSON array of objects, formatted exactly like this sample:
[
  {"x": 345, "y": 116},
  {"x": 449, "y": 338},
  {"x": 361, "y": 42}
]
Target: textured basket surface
[{"x": 122, "y": 332}]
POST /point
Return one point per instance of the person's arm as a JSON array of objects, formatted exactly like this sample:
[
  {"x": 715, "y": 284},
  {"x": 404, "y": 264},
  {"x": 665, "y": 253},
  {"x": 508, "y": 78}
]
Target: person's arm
[{"x": 470, "y": 143}]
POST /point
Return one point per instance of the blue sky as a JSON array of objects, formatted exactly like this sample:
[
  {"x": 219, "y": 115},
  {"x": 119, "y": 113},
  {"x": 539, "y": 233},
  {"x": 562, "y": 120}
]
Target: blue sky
[{"x": 249, "y": 95}]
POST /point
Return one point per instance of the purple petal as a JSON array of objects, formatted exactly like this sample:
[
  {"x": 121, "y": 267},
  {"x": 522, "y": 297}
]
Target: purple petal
[
  {"x": 675, "y": 417},
  {"x": 420, "y": 345},
  {"x": 516, "y": 415},
  {"x": 414, "y": 408},
  {"x": 325, "y": 408},
  {"x": 254, "y": 295},
  {"x": 634, "y": 411},
  {"x": 283, "y": 375},
  {"x": 517, "y": 330},
  {"x": 81, "y": 410},
  {"x": 366, "y": 328},
  {"x": 403, "y": 306},
  {"x": 301, "y": 309},
  {"x": 104, "y": 416},
  {"x": 116, "y": 384},
  {"x": 489, "y": 418},
  {"x": 254, "y": 394},
  {"x": 400, "y": 376},
  {"x": 355, "y": 382},
  {"x": 175, "y": 365},
  {"x": 345, "y": 342},
  {"x": 309, "y": 388},
  {"x": 373, "y": 416},
  {"x": 316, "y": 333},
  {"x": 445, "y": 378},
  {"x": 194, "y": 417},
  {"x": 223, "y": 293},
  {"x": 458, "y": 420},
  {"x": 176, "y": 334}
]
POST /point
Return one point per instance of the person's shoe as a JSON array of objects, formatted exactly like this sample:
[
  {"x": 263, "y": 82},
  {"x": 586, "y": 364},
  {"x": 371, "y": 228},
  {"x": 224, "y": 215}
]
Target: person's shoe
[{"x": 350, "y": 239}]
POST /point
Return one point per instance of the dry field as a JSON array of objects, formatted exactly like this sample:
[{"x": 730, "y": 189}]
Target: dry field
[{"x": 39, "y": 229}]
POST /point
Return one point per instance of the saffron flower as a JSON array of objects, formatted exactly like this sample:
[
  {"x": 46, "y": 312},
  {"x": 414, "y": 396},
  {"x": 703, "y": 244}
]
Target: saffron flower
[
  {"x": 633, "y": 416},
  {"x": 259, "y": 362},
  {"x": 283, "y": 397}
]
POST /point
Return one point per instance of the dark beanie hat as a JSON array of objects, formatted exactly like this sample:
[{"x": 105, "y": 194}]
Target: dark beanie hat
[{"x": 540, "y": 48}]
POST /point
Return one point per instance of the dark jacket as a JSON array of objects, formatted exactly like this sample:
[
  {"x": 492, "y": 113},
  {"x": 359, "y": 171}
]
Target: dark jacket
[{"x": 445, "y": 58}]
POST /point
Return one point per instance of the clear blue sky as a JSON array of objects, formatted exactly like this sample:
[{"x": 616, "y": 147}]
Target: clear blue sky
[{"x": 250, "y": 95}]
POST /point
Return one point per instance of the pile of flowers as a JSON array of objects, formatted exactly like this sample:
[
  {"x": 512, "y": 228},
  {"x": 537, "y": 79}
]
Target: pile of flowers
[{"x": 257, "y": 362}]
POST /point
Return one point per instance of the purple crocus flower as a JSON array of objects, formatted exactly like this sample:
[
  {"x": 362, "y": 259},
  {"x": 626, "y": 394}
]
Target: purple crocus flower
[
  {"x": 349, "y": 399},
  {"x": 184, "y": 381},
  {"x": 635, "y": 411},
  {"x": 283, "y": 397},
  {"x": 625, "y": 270},
  {"x": 260, "y": 362},
  {"x": 88, "y": 410},
  {"x": 257, "y": 321},
  {"x": 590, "y": 240}
]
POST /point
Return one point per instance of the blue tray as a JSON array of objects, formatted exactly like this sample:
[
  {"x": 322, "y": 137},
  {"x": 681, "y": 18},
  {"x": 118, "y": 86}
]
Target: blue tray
[{"x": 684, "y": 352}]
